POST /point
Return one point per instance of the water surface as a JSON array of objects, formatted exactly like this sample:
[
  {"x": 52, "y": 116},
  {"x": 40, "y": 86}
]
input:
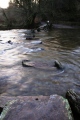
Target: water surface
[{"x": 60, "y": 44}]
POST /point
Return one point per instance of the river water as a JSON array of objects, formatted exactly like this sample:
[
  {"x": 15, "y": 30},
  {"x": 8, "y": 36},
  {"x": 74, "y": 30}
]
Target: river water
[{"x": 60, "y": 44}]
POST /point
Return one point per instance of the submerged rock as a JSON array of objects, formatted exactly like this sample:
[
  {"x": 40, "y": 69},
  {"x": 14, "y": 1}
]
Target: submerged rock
[
  {"x": 52, "y": 107},
  {"x": 30, "y": 50},
  {"x": 30, "y": 34}
]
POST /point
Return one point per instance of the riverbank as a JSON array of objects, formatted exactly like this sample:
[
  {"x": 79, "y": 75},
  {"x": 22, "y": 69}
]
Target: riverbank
[{"x": 55, "y": 25}]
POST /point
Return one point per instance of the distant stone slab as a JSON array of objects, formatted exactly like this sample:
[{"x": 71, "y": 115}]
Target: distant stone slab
[
  {"x": 52, "y": 107},
  {"x": 37, "y": 64},
  {"x": 36, "y": 42}
]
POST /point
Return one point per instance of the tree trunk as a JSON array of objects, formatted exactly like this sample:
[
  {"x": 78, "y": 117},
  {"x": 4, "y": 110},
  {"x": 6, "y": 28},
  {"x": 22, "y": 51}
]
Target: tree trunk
[{"x": 39, "y": 5}]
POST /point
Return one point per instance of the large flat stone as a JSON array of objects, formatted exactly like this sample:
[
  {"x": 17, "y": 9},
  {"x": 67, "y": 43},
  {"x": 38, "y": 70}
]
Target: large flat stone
[{"x": 52, "y": 107}]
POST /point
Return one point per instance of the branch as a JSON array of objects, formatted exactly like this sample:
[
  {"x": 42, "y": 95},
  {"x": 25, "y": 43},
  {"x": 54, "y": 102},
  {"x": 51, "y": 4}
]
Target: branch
[{"x": 17, "y": 1}]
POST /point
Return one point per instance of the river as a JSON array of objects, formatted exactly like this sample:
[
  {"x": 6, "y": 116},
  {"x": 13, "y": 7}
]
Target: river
[{"x": 59, "y": 44}]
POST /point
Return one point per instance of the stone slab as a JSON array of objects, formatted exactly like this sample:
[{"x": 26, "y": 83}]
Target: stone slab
[{"x": 52, "y": 107}]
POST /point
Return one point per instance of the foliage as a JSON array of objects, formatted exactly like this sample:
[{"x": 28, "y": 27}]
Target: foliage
[{"x": 53, "y": 10}]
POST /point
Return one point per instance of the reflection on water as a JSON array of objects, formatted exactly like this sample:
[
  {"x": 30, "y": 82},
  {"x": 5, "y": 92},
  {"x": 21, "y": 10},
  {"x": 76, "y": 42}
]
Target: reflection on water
[{"x": 59, "y": 44}]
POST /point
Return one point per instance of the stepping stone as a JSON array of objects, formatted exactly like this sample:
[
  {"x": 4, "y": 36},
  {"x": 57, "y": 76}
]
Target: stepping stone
[
  {"x": 37, "y": 64},
  {"x": 52, "y": 107},
  {"x": 36, "y": 42},
  {"x": 31, "y": 38}
]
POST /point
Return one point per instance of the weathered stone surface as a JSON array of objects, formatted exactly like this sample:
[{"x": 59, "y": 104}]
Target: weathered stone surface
[
  {"x": 74, "y": 99},
  {"x": 38, "y": 64},
  {"x": 52, "y": 107}
]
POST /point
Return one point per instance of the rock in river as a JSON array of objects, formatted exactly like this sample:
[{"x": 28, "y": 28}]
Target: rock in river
[
  {"x": 74, "y": 99},
  {"x": 52, "y": 107}
]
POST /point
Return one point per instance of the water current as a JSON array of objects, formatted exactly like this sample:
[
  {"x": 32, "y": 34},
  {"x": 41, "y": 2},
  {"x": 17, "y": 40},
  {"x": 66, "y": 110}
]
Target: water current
[{"x": 46, "y": 47}]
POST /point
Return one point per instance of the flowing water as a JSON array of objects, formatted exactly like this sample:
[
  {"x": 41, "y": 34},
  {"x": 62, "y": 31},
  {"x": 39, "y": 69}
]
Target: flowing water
[{"x": 60, "y": 44}]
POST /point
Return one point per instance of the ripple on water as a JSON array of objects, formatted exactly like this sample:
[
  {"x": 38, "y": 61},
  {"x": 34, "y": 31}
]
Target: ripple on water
[{"x": 63, "y": 45}]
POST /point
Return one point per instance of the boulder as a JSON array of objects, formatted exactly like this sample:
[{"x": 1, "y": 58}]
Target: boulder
[
  {"x": 74, "y": 100},
  {"x": 52, "y": 107}
]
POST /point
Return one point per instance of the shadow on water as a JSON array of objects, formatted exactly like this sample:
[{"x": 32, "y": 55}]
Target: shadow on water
[
  {"x": 68, "y": 39},
  {"x": 3, "y": 84},
  {"x": 60, "y": 44}
]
